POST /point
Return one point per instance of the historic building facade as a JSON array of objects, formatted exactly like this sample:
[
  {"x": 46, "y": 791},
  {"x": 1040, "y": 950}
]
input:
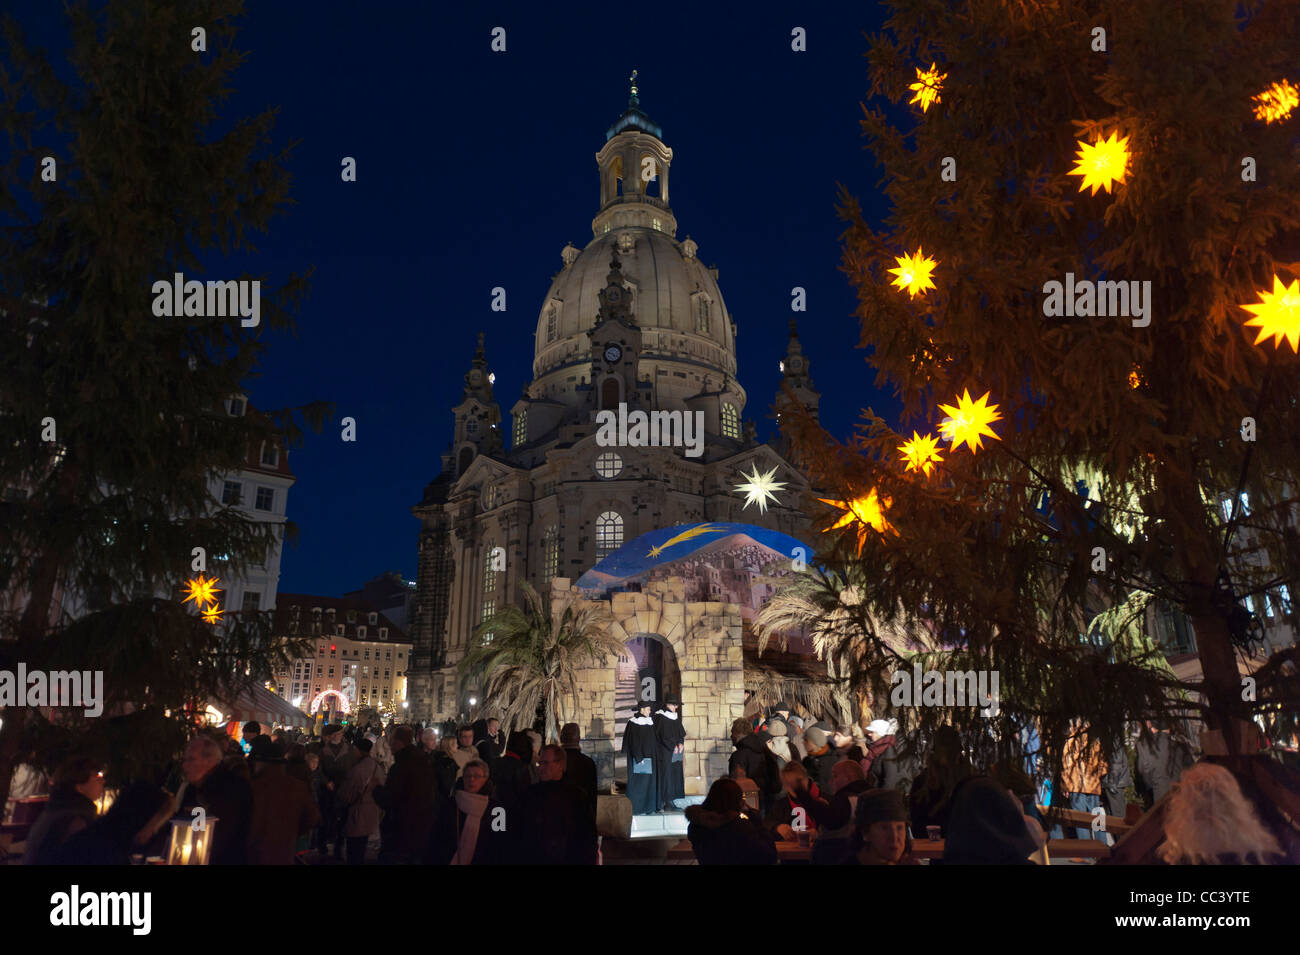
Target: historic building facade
[{"x": 634, "y": 319}]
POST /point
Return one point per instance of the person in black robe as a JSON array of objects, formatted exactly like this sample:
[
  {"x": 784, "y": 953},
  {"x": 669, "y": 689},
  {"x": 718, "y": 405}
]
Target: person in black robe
[
  {"x": 641, "y": 746},
  {"x": 671, "y": 752}
]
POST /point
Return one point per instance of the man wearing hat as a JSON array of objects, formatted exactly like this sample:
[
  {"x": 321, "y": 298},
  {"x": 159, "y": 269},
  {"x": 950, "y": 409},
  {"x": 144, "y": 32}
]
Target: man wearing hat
[
  {"x": 671, "y": 735},
  {"x": 283, "y": 807},
  {"x": 335, "y": 762},
  {"x": 821, "y": 756},
  {"x": 882, "y": 763},
  {"x": 881, "y": 823},
  {"x": 640, "y": 747}
]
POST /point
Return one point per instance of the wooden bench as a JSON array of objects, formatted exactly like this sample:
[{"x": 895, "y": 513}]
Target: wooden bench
[{"x": 1078, "y": 819}]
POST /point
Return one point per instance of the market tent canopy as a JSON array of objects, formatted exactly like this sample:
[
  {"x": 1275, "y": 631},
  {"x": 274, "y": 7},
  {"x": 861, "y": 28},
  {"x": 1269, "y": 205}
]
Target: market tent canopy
[{"x": 260, "y": 704}]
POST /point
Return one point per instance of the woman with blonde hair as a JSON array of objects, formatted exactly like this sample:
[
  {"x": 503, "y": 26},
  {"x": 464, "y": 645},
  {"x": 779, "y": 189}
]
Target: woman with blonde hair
[{"x": 1208, "y": 821}]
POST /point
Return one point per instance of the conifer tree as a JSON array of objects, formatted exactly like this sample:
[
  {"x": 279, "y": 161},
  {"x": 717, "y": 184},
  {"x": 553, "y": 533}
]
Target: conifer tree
[
  {"x": 1101, "y": 490},
  {"x": 114, "y": 420}
]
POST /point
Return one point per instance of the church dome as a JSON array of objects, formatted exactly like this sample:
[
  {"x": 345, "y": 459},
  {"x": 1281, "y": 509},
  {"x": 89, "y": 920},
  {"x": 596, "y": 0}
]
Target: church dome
[{"x": 675, "y": 301}]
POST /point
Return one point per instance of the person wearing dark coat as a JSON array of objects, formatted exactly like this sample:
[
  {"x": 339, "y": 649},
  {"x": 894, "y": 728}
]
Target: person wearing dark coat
[
  {"x": 224, "y": 794},
  {"x": 445, "y": 767},
  {"x": 722, "y": 833},
  {"x": 552, "y": 825},
  {"x": 78, "y": 783},
  {"x": 579, "y": 768},
  {"x": 1118, "y": 778},
  {"x": 822, "y": 757},
  {"x": 834, "y": 814},
  {"x": 407, "y": 798},
  {"x": 986, "y": 826},
  {"x": 470, "y": 828},
  {"x": 751, "y": 755},
  {"x": 336, "y": 760},
  {"x": 283, "y": 810},
  {"x": 130, "y": 823},
  {"x": 640, "y": 746},
  {"x": 932, "y": 791},
  {"x": 489, "y": 740},
  {"x": 671, "y": 755},
  {"x": 510, "y": 774}
]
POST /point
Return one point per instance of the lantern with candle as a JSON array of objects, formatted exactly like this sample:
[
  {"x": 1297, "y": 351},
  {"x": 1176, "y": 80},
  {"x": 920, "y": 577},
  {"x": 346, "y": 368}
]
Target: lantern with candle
[{"x": 191, "y": 840}]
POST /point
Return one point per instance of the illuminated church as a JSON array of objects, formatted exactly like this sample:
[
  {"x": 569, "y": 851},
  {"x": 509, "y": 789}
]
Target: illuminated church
[{"x": 634, "y": 318}]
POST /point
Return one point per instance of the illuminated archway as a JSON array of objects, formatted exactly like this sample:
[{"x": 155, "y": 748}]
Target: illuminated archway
[{"x": 344, "y": 706}]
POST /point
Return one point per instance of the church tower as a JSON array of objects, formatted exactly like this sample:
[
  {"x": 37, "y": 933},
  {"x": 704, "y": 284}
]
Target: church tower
[
  {"x": 633, "y": 317},
  {"x": 794, "y": 375}
]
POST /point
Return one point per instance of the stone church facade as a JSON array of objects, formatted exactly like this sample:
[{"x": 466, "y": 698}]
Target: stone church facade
[{"x": 634, "y": 318}]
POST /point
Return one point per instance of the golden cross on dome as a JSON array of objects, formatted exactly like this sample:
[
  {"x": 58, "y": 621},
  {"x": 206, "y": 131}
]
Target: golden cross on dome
[{"x": 632, "y": 79}]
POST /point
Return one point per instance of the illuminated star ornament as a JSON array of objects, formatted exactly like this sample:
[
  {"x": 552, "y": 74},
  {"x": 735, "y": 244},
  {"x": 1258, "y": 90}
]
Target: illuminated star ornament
[
  {"x": 921, "y": 453},
  {"x": 202, "y": 591},
  {"x": 867, "y": 511},
  {"x": 913, "y": 272},
  {"x": 212, "y": 614},
  {"x": 968, "y": 421},
  {"x": 925, "y": 90},
  {"x": 1278, "y": 314},
  {"x": 1103, "y": 163},
  {"x": 685, "y": 535},
  {"x": 1277, "y": 102},
  {"x": 758, "y": 488}
]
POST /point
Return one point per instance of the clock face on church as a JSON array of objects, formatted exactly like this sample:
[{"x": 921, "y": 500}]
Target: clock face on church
[{"x": 613, "y": 353}]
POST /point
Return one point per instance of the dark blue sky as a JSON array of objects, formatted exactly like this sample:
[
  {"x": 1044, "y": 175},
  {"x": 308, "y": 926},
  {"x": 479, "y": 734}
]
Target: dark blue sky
[{"x": 474, "y": 169}]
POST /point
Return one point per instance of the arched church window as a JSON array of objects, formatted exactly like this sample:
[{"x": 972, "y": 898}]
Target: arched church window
[
  {"x": 521, "y": 427},
  {"x": 552, "y": 323},
  {"x": 702, "y": 318},
  {"x": 471, "y": 426},
  {"x": 609, "y": 394},
  {"x": 609, "y": 533},
  {"x": 730, "y": 422}
]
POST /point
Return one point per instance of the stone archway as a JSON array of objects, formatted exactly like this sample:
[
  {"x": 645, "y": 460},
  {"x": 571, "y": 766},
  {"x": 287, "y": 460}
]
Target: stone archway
[{"x": 648, "y": 657}]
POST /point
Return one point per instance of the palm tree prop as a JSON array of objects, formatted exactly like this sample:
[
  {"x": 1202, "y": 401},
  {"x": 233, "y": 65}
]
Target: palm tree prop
[{"x": 526, "y": 659}]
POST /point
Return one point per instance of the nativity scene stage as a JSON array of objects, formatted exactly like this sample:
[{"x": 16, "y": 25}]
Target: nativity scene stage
[{"x": 682, "y": 600}]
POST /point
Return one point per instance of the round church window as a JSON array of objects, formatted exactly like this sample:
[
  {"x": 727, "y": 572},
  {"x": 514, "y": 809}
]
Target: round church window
[{"x": 609, "y": 465}]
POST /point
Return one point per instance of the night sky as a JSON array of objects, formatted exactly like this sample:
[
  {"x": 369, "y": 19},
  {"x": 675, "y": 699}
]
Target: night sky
[{"x": 475, "y": 168}]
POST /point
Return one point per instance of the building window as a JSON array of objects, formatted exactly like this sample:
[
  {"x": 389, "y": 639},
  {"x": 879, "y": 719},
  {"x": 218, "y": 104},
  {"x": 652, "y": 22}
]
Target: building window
[
  {"x": 730, "y": 422},
  {"x": 702, "y": 317},
  {"x": 339, "y": 629},
  {"x": 521, "y": 427},
  {"x": 361, "y": 633},
  {"x": 252, "y": 601},
  {"x": 383, "y": 633},
  {"x": 489, "y": 497},
  {"x": 552, "y": 323},
  {"x": 265, "y": 499},
  {"x": 270, "y": 455},
  {"x": 373, "y": 618},
  {"x": 236, "y": 407},
  {"x": 655, "y": 224},
  {"x": 1174, "y": 631},
  {"x": 471, "y": 426},
  {"x": 489, "y": 608},
  {"x": 489, "y": 570},
  {"x": 551, "y": 554},
  {"x": 231, "y": 492},
  {"x": 609, "y": 465},
  {"x": 609, "y": 533}
]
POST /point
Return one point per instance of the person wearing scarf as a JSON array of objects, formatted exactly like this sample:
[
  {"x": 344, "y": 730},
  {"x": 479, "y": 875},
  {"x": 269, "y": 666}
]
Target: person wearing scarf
[
  {"x": 640, "y": 746},
  {"x": 671, "y": 735},
  {"x": 469, "y": 828}
]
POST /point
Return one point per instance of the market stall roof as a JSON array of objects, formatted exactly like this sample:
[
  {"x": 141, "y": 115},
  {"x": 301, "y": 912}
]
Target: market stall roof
[{"x": 260, "y": 704}]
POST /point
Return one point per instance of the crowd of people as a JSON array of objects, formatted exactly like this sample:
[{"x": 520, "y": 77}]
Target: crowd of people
[
  {"x": 862, "y": 793},
  {"x": 476, "y": 797},
  {"x": 473, "y": 795}
]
